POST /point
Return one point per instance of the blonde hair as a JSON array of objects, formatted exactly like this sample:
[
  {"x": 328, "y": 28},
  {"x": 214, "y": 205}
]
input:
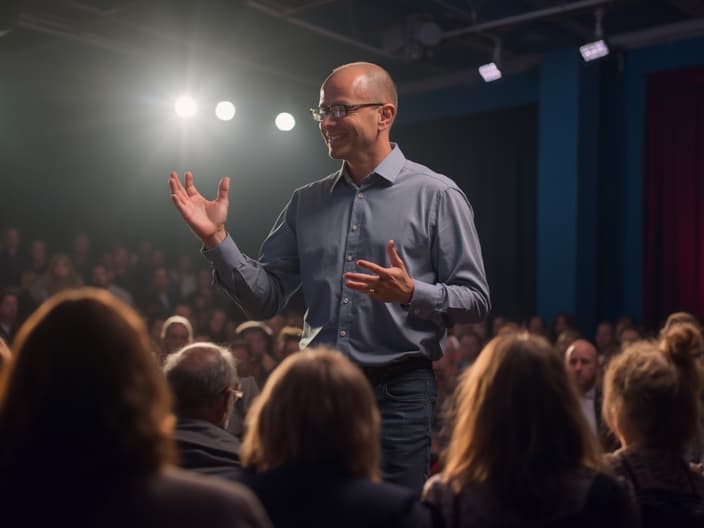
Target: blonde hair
[
  {"x": 316, "y": 408},
  {"x": 652, "y": 391},
  {"x": 518, "y": 421}
]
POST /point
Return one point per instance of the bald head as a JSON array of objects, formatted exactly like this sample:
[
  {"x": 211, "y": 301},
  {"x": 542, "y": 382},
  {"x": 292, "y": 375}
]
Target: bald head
[
  {"x": 369, "y": 81},
  {"x": 581, "y": 362}
]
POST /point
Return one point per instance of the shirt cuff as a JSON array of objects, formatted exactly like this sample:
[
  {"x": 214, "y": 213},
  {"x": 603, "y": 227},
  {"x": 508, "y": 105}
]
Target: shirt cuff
[
  {"x": 424, "y": 300},
  {"x": 225, "y": 257}
]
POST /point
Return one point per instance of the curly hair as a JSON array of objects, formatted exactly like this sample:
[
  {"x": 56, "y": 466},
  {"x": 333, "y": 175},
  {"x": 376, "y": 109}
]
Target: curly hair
[{"x": 652, "y": 390}]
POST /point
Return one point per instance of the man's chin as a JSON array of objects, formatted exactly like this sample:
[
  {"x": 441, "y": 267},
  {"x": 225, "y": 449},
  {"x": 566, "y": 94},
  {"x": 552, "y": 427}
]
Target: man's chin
[{"x": 335, "y": 154}]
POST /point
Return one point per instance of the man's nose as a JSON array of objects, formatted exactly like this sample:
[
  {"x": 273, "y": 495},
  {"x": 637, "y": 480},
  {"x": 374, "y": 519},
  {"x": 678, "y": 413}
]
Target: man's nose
[{"x": 327, "y": 121}]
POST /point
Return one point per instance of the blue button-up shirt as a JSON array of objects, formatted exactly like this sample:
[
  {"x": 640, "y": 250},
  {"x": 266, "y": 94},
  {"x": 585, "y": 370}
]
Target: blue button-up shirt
[{"x": 329, "y": 224}]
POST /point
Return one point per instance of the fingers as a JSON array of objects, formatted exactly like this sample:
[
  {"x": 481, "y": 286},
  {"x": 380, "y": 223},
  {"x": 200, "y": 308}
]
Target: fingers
[
  {"x": 360, "y": 281},
  {"x": 394, "y": 257},
  {"x": 223, "y": 189},
  {"x": 175, "y": 183},
  {"x": 178, "y": 193},
  {"x": 371, "y": 266},
  {"x": 190, "y": 188}
]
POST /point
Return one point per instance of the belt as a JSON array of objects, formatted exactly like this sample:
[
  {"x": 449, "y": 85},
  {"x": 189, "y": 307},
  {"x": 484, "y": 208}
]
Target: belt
[{"x": 385, "y": 373}]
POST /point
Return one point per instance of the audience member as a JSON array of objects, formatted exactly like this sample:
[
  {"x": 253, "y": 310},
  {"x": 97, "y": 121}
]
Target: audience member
[
  {"x": 521, "y": 453},
  {"x": 259, "y": 337},
  {"x": 216, "y": 325},
  {"x": 652, "y": 401},
  {"x": 565, "y": 339},
  {"x": 60, "y": 275},
  {"x": 12, "y": 262},
  {"x": 176, "y": 333},
  {"x": 275, "y": 324},
  {"x": 9, "y": 312},
  {"x": 311, "y": 450},
  {"x": 287, "y": 342},
  {"x": 497, "y": 322},
  {"x": 101, "y": 277},
  {"x": 38, "y": 256},
  {"x": 81, "y": 255},
  {"x": 604, "y": 338},
  {"x": 563, "y": 322},
  {"x": 204, "y": 382},
  {"x": 122, "y": 270},
  {"x": 470, "y": 346},
  {"x": 161, "y": 297},
  {"x": 248, "y": 387},
  {"x": 85, "y": 428},
  {"x": 536, "y": 326},
  {"x": 628, "y": 335},
  {"x": 184, "y": 276},
  {"x": 582, "y": 364}
]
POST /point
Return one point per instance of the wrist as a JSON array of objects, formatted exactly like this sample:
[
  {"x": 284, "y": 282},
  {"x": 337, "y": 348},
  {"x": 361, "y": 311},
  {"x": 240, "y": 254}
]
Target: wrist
[
  {"x": 215, "y": 239},
  {"x": 410, "y": 295}
]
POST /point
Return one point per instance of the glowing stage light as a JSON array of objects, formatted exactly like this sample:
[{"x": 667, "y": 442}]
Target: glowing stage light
[
  {"x": 285, "y": 122},
  {"x": 185, "y": 107},
  {"x": 225, "y": 110}
]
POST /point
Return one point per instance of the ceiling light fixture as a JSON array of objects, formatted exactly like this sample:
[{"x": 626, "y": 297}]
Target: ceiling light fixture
[
  {"x": 492, "y": 71},
  {"x": 598, "y": 48}
]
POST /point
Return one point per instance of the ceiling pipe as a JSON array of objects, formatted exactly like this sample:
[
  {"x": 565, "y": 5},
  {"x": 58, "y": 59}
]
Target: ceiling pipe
[
  {"x": 282, "y": 14},
  {"x": 525, "y": 17}
]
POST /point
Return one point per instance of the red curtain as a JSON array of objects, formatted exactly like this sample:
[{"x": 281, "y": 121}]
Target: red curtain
[{"x": 673, "y": 206}]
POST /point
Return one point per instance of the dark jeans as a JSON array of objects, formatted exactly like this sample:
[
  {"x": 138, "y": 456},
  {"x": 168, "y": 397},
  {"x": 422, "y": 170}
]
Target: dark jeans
[{"x": 406, "y": 406}]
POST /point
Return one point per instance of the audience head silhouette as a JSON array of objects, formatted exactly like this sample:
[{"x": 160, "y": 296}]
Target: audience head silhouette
[
  {"x": 518, "y": 422},
  {"x": 316, "y": 408},
  {"x": 84, "y": 393},
  {"x": 652, "y": 390}
]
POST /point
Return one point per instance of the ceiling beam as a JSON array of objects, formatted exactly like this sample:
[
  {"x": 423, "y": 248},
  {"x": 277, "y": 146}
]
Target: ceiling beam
[
  {"x": 575, "y": 28},
  {"x": 526, "y": 17},
  {"x": 693, "y": 8},
  {"x": 281, "y": 13}
]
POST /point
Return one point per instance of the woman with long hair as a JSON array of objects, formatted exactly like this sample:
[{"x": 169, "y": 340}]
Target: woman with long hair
[
  {"x": 311, "y": 449},
  {"x": 85, "y": 427},
  {"x": 521, "y": 452}
]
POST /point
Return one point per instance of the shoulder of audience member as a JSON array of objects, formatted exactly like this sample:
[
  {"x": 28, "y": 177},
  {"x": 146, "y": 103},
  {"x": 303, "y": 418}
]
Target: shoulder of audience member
[
  {"x": 217, "y": 502},
  {"x": 613, "y": 499}
]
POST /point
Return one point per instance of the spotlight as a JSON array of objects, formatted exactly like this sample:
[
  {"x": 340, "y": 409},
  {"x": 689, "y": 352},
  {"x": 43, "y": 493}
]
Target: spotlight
[
  {"x": 185, "y": 107},
  {"x": 598, "y": 48},
  {"x": 285, "y": 122},
  {"x": 491, "y": 71},
  {"x": 225, "y": 110},
  {"x": 594, "y": 50}
]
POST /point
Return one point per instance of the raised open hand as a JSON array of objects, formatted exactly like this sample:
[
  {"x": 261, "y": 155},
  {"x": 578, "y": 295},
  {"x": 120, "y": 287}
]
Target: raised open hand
[
  {"x": 392, "y": 284},
  {"x": 206, "y": 218}
]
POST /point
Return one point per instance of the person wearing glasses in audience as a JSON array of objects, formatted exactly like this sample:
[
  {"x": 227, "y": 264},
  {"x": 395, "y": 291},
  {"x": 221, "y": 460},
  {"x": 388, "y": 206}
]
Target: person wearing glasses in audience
[{"x": 385, "y": 250}]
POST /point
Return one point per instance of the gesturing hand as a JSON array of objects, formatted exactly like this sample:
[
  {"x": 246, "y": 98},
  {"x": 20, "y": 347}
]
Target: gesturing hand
[
  {"x": 392, "y": 284},
  {"x": 205, "y": 217}
]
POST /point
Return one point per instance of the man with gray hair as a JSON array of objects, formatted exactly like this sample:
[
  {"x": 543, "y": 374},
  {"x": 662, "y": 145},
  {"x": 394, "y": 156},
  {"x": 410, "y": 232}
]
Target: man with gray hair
[{"x": 204, "y": 382}]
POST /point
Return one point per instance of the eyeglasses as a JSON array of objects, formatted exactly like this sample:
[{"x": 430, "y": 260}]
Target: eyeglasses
[{"x": 337, "y": 111}]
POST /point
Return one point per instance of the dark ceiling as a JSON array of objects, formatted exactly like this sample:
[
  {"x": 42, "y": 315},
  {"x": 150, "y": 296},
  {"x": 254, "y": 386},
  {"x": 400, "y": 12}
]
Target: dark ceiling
[{"x": 423, "y": 43}]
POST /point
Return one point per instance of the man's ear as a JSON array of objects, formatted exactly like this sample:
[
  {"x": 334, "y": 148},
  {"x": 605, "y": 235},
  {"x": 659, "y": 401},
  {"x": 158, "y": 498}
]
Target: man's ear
[{"x": 387, "y": 114}]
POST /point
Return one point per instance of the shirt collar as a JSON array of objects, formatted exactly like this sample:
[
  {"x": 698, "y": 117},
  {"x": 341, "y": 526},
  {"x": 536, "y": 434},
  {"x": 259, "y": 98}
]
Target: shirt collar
[
  {"x": 590, "y": 394},
  {"x": 389, "y": 168}
]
